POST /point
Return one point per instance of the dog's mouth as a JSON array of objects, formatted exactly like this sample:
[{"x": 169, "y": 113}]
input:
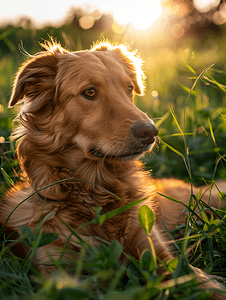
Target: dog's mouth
[
  {"x": 126, "y": 155},
  {"x": 97, "y": 153}
]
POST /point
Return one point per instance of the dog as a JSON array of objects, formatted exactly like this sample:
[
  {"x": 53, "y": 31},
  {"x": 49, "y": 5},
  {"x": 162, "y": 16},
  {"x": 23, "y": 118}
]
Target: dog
[{"x": 79, "y": 127}]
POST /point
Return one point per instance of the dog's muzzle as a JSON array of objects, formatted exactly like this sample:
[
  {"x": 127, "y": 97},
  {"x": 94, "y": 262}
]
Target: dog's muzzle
[{"x": 144, "y": 134}]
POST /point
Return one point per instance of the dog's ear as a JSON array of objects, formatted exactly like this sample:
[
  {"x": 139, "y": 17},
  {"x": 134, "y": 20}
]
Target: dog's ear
[
  {"x": 131, "y": 61},
  {"x": 35, "y": 79}
]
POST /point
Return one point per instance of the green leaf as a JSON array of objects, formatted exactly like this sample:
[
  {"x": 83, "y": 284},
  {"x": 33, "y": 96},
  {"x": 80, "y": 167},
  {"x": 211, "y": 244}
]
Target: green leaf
[
  {"x": 7, "y": 177},
  {"x": 104, "y": 249},
  {"x": 115, "y": 250},
  {"x": 134, "y": 274},
  {"x": 221, "y": 212},
  {"x": 97, "y": 210},
  {"x": 119, "y": 210},
  {"x": 47, "y": 238},
  {"x": 132, "y": 259},
  {"x": 27, "y": 235},
  {"x": 171, "y": 264},
  {"x": 212, "y": 227},
  {"x": 146, "y": 261},
  {"x": 146, "y": 218},
  {"x": 183, "y": 267},
  {"x": 201, "y": 295},
  {"x": 72, "y": 293},
  {"x": 221, "y": 195}
]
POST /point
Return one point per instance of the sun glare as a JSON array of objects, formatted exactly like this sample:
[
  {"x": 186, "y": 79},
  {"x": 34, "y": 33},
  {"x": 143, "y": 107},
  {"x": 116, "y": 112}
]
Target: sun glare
[
  {"x": 205, "y": 5},
  {"x": 140, "y": 13}
]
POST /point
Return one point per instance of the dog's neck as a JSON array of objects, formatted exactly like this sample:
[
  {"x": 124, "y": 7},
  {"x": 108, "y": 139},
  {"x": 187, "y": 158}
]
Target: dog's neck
[{"x": 92, "y": 182}]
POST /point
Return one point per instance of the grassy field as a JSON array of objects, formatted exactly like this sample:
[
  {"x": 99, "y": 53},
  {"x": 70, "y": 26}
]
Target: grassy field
[{"x": 186, "y": 97}]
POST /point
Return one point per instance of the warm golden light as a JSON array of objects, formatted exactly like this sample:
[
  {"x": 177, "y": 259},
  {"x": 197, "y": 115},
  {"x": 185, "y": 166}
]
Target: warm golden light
[
  {"x": 205, "y": 5},
  {"x": 86, "y": 22},
  {"x": 154, "y": 94},
  {"x": 2, "y": 139},
  {"x": 140, "y": 13}
]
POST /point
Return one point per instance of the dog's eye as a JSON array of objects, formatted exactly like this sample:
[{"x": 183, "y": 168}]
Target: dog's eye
[
  {"x": 130, "y": 89},
  {"x": 89, "y": 94}
]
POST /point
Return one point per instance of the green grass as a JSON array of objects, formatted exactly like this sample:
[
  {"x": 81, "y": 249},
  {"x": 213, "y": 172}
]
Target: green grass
[
  {"x": 191, "y": 116},
  {"x": 98, "y": 274}
]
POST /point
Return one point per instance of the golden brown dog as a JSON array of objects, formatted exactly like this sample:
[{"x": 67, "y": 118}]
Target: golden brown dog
[{"x": 78, "y": 120}]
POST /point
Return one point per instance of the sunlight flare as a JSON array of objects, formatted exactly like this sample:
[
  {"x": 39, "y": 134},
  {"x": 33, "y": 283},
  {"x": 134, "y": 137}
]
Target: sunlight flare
[
  {"x": 205, "y": 5},
  {"x": 141, "y": 14}
]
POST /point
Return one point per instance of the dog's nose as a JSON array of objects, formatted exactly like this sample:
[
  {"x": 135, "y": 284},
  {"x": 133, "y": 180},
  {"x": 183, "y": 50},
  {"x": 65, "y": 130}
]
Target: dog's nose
[{"x": 145, "y": 131}]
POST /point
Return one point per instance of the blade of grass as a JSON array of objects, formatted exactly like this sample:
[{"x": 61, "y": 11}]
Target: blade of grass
[
  {"x": 7, "y": 177},
  {"x": 180, "y": 154},
  {"x": 119, "y": 210},
  {"x": 175, "y": 119},
  {"x": 190, "y": 68},
  {"x": 185, "y": 205},
  {"x": 212, "y": 80},
  {"x": 184, "y": 137},
  {"x": 187, "y": 89},
  {"x": 223, "y": 157},
  {"x": 211, "y": 132},
  {"x": 196, "y": 80}
]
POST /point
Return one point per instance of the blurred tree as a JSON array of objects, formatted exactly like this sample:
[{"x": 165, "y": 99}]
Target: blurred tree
[
  {"x": 194, "y": 18},
  {"x": 103, "y": 23},
  {"x": 90, "y": 19}
]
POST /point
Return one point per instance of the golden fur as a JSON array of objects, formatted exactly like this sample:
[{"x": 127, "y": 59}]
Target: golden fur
[{"x": 78, "y": 121}]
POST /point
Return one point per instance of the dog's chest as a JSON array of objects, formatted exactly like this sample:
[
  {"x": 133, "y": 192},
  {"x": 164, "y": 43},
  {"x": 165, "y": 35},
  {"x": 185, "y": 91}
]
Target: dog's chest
[{"x": 121, "y": 227}]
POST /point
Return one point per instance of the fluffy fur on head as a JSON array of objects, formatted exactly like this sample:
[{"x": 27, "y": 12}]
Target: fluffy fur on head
[
  {"x": 53, "y": 121},
  {"x": 80, "y": 138}
]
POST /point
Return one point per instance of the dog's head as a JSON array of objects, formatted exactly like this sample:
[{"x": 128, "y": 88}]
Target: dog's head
[{"x": 82, "y": 103}]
